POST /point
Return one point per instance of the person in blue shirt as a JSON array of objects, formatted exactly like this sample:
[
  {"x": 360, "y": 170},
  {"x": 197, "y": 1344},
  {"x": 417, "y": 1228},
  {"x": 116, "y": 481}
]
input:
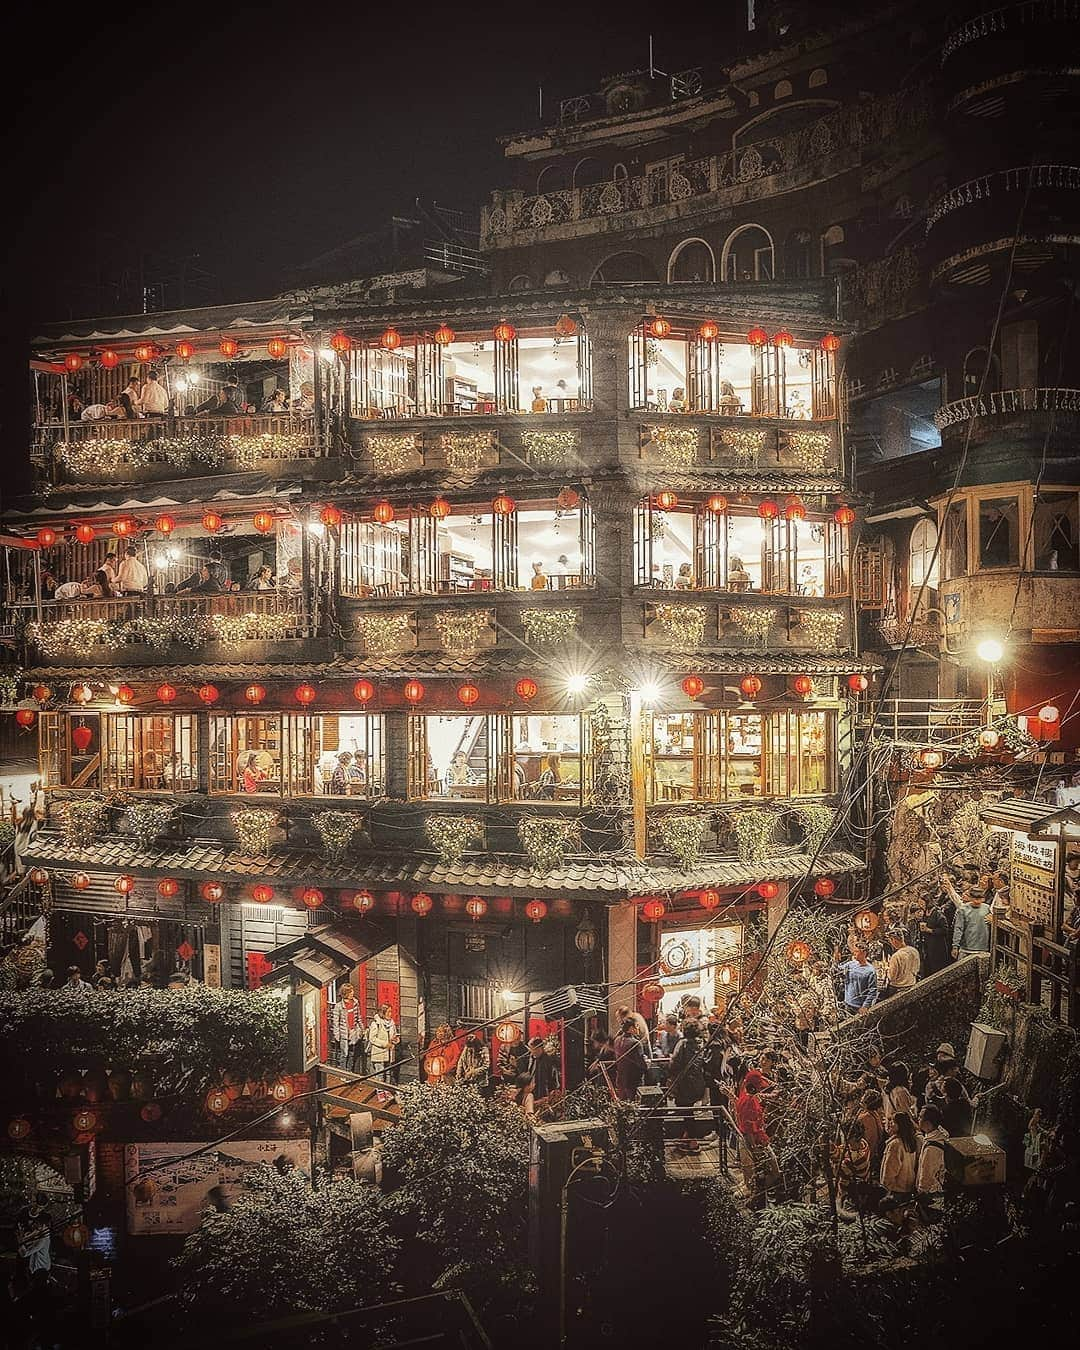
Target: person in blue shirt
[
  {"x": 971, "y": 927},
  {"x": 860, "y": 980}
]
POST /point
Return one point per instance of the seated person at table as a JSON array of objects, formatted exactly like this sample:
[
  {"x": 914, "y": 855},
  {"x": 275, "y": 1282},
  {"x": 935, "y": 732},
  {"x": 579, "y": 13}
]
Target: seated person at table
[
  {"x": 539, "y": 402},
  {"x": 677, "y": 402},
  {"x": 738, "y": 577},
  {"x": 459, "y": 774},
  {"x": 730, "y": 402},
  {"x": 796, "y": 406},
  {"x": 342, "y": 775},
  {"x": 538, "y": 581},
  {"x": 249, "y": 773},
  {"x": 262, "y": 580},
  {"x": 544, "y": 788},
  {"x": 808, "y": 582},
  {"x": 562, "y": 391},
  {"x": 276, "y": 403},
  {"x": 685, "y": 580},
  {"x": 291, "y": 578},
  {"x": 202, "y": 582}
]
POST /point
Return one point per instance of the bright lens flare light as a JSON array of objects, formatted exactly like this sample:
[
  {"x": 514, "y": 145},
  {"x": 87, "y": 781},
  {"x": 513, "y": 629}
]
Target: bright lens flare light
[
  {"x": 990, "y": 650},
  {"x": 507, "y": 995},
  {"x": 577, "y": 684},
  {"x": 650, "y": 692}
]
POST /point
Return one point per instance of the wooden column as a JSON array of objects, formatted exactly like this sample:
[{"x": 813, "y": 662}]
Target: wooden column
[{"x": 621, "y": 940}]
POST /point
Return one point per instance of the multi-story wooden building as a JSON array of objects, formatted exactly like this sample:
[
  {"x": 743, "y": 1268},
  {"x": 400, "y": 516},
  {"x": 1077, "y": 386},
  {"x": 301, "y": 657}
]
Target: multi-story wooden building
[{"x": 523, "y": 631}]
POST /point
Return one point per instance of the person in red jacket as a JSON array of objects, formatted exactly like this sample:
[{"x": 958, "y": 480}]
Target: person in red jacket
[{"x": 761, "y": 1171}]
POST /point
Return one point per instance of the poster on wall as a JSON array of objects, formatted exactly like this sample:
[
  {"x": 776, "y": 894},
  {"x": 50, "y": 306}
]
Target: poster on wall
[
  {"x": 302, "y": 1021},
  {"x": 170, "y": 1198},
  {"x": 1033, "y": 879}
]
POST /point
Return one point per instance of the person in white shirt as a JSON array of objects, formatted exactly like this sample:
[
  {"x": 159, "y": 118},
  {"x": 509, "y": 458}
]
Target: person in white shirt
[
  {"x": 383, "y": 1040},
  {"x": 94, "y": 412},
  {"x": 132, "y": 577},
  {"x": 930, "y": 1171},
  {"x": 903, "y": 966},
  {"x": 153, "y": 400}
]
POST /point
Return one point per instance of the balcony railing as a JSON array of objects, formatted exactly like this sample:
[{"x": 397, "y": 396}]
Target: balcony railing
[
  {"x": 404, "y": 445},
  {"x": 925, "y": 721},
  {"x": 159, "y": 622},
  {"x": 99, "y": 451},
  {"x": 1009, "y": 18},
  {"x": 1062, "y": 177},
  {"x": 1004, "y": 402},
  {"x": 801, "y": 152},
  {"x": 689, "y": 623},
  {"x": 688, "y": 440}
]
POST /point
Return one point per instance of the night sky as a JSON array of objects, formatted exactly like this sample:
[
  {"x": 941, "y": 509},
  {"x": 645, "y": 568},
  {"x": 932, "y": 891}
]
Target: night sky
[{"x": 248, "y": 141}]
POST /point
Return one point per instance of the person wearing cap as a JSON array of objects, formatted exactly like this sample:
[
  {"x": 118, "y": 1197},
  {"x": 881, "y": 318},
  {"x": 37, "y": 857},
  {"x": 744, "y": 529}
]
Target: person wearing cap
[
  {"x": 903, "y": 968},
  {"x": 543, "y": 1077},
  {"x": 761, "y": 1171},
  {"x": 971, "y": 927},
  {"x": 860, "y": 979},
  {"x": 945, "y": 1068}
]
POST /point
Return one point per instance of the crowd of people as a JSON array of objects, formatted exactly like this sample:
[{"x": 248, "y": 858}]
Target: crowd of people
[
  {"x": 124, "y": 574},
  {"x": 150, "y": 398}
]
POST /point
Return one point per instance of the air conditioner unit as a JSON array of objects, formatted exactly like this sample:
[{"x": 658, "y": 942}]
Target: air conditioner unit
[{"x": 985, "y": 1052}]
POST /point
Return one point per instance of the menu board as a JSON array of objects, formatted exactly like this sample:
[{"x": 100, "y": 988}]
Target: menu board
[
  {"x": 164, "y": 1196},
  {"x": 1033, "y": 879}
]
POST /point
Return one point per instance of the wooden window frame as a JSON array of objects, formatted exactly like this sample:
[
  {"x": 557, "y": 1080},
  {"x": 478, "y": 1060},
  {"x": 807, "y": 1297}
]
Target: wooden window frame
[{"x": 228, "y": 723}]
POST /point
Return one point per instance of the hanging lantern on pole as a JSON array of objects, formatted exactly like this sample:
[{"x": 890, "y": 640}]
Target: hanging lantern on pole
[
  {"x": 468, "y": 694},
  {"x": 184, "y": 350},
  {"x": 255, "y": 693},
  {"x": 659, "y": 327},
  {"x": 263, "y": 521},
  {"x": 340, "y": 343},
  {"x": 167, "y": 887},
  {"x": 276, "y": 348},
  {"x": 536, "y": 910},
  {"x": 709, "y": 899},
  {"x": 363, "y": 902},
  {"x": 390, "y": 339},
  {"x": 363, "y": 691}
]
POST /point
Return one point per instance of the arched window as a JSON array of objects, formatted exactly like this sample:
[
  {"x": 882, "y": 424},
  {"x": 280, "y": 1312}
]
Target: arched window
[
  {"x": 619, "y": 174},
  {"x": 552, "y": 178},
  {"x": 782, "y": 90},
  {"x": 797, "y": 256},
  {"x": 520, "y": 283},
  {"x": 832, "y": 249},
  {"x": 818, "y": 78},
  {"x": 748, "y": 255},
  {"x": 625, "y": 267},
  {"x": 974, "y": 365},
  {"x": 692, "y": 260},
  {"x": 923, "y": 566},
  {"x": 586, "y": 172}
]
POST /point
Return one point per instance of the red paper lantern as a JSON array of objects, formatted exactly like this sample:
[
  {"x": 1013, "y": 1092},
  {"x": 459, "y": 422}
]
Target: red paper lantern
[
  {"x": 150, "y": 1112},
  {"x": 263, "y": 521},
  {"x": 212, "y": 892},
  {"x": 384, "y": 513},
  {"x": 798, "y": 952},
  {"x": 506, "y": 1033},
  {"x": 824, "y": 887},
  {"x": 109, "y": 359},
  {"x": 212, "y": 522},
  {"x": 709, "y": 331},
  {"x": 45, "y": 537},
  {"x": 536, "y": 910},
  {"x": 209, "y": 693},
  {"x": 439, "y": 508},
  {"x": 421, "y": 904},
  {"x": 255, "y": 693},
  {"x": 81, "y": 693},
  {"x": 476, "y": 908},
  {"x": 145, "y": 352},
  {"x": 123, "y": 527},
  {"x": 276, "y": 348},
  {"x": 262, "y": 894},
  {"x": 930, "y": 759},
  {"x": 185, "y": 350},
  {"x": 81, "y": 736},
  {"x": 331, "y": 515},
  {"x": 768, "y": 890},
  {"x": 165, "y": 525},
  {"x": 659, "y": 327},
  {"x": 858, "y": 684},
  {"x": 282, "y": 1090},
  {"x": 124, "y": 884},
  {"x": 228, "y": 347},
  {"x": 768, "y": 510},
  {"x": 76, "y": 1235},
  {"x": 830, "y": 343},
  {"x": 80, "y": 881},
  {"x": 667, "y": 501},
  {"x": 565, "y": 326},
  {"x": 844, "y": 515},
  {"x": 340, "y": 343},
  {"x": 504, "y": 505},
  {"x": 43, "y": 693},
  {"x": 757, "y": 337},
  {"x": 653, "y": 910},
  {"x": 363, "y": 902},
  {"x": 865, "y": 921},
  {"x": 19, "y": 1128},
  {"x": 166, "y": 693},
  {"x": 218, "y": 1101},
  {"x": 73, "y": 361},
  {"x": 305, "y": 694},
  {"x": 750, "y": 686},
  {"x": 504, "y": 332},
  {"x": 803, "y": 684},
  {"x": 693, "y": 686},
  {"x": 390, "y": 339},
  {"x": 168, "y": 887},
  {"x": 413, "y": 691},
  {"x": 717, "y": 504},
  {"x": 26, "y": 717},
  {"x": 782, "y": 338},
  {"x": 39, "y": 876},
  {"x": 709, "y": 899},
  {"x": 794, "y": 509},
  {"x": 468, "y": 694},
  {"x": 526, "y": 689},
  {"x": 567, "y": 499},
  {"x": 363, "y": 691},
  {"x": 444, "y": 335},
  {"x": 85, "y": 534},
  {"x": 653, "y": 993}
]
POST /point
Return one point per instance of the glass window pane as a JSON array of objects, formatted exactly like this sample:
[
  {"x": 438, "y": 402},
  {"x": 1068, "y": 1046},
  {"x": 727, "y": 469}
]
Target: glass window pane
[
  {"x": 672, "y": 549},
  {"x": 954, "y": 547},
  {"x": 671, "y": 772},
  {"x": 549, "y": 549},
  {"x": 999, "y": 532},
  {"x": 744, "y": 553},
  {"x": 743, "y": 759},
  {"x": 348, "y": 755},
  {"x": 808, "y": 540},
  {"x": 245, "y": 754},
  {"x": 814, "y": 776},
  {"x": 1056, "y": 532}
]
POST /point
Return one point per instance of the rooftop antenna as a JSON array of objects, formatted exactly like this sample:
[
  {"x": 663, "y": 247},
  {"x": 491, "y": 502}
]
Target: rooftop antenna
[
  {"x": 540, "y": 92},
  {"x": 653, "y": 71}
]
